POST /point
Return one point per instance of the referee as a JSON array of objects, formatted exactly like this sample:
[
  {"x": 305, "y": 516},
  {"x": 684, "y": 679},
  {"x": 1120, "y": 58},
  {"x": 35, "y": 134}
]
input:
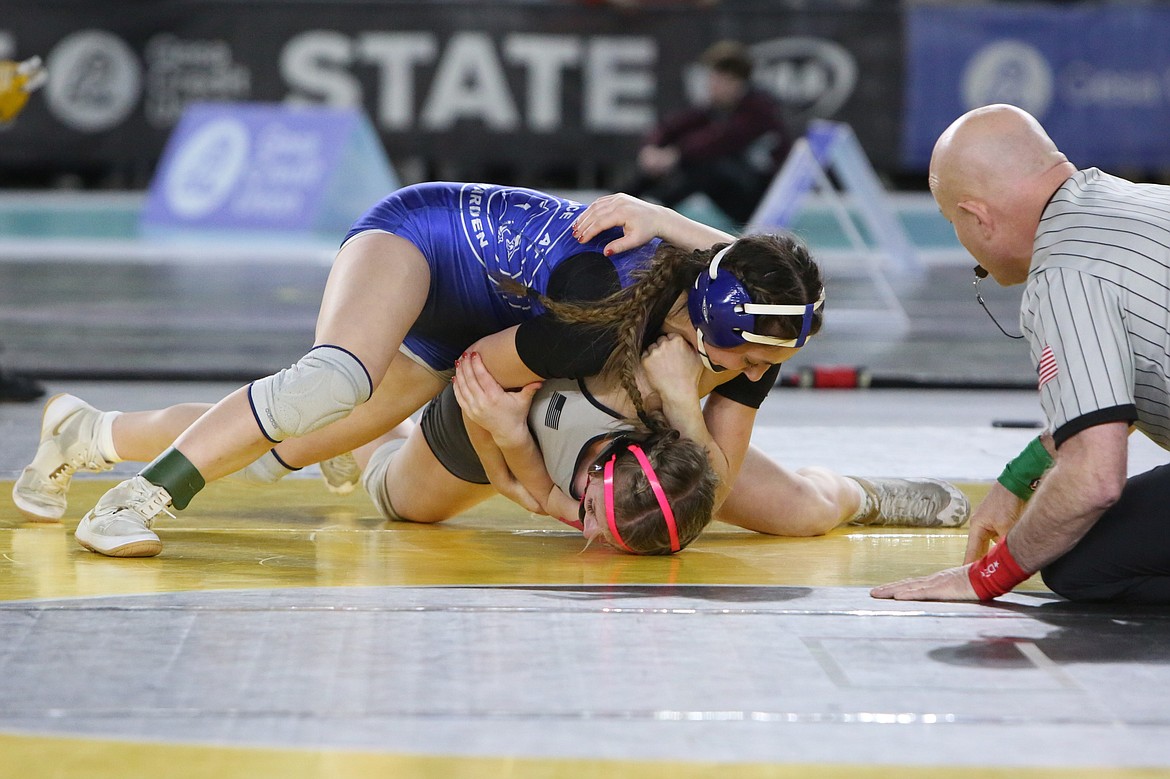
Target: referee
[{"x": 1094, "y": 253}]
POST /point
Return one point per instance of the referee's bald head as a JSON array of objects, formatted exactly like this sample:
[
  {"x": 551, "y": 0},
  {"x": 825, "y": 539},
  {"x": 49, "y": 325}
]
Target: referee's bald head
[
  {"x": 994, "y": 145},
  {"x": 992, "y": 171}
]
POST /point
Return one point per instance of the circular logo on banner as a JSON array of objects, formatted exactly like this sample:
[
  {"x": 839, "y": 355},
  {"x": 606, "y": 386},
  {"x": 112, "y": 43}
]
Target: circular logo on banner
[
  {"x": 810, "y": 75},
  {"x": 1010, "y": 72},
  {"x": 94, "y": 80},
  {"x": 207, "y": 168}
]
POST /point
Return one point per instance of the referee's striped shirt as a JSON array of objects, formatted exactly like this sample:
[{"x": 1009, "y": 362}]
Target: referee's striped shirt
[{"x": 1096, "y": 308}]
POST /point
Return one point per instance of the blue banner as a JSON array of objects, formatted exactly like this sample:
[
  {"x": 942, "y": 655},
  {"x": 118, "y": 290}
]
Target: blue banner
[
  {"x": 1097, "y": 77},
  {"x": 267, "y": 167}
]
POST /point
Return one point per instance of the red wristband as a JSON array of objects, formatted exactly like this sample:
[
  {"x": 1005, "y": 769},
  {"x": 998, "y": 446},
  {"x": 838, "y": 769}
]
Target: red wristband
[{"x": 996, "y": 572}]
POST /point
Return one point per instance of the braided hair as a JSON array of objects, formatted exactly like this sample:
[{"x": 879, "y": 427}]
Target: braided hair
[{"x": 775, "y": 269}]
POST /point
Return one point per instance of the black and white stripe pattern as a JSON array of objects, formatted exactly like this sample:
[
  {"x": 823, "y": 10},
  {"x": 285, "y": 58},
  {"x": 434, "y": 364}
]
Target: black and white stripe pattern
[
  {"x": 1098, "y": 296},
  {"x": 552, "y": 416}
]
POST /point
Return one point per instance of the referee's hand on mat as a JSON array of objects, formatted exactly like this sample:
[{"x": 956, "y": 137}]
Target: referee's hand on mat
[{"x": 951, "y": 584}]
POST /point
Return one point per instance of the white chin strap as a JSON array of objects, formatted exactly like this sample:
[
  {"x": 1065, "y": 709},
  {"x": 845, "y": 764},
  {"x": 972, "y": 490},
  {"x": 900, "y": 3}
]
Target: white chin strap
[{"x": 701, "y": 348}]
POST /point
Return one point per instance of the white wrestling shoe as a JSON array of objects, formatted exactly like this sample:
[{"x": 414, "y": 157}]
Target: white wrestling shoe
[
  {"x": 69, "y": 443},
  {"x": 342, "y": 473},
  {"x": 912, "y": 503},
  {"x": 119, "y": 525}
]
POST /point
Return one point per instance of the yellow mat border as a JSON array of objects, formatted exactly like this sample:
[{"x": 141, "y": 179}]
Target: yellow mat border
[{"x": 43, "y": 756}]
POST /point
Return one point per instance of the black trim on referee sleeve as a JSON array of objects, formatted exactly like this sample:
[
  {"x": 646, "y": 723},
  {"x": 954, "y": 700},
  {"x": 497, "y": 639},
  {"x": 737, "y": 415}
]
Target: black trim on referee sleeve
[{"x": 1126, "y": 413}]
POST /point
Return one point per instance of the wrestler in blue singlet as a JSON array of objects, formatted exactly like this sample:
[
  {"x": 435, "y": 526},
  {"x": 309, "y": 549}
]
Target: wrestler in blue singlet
[{"x": 471, "y": 233}]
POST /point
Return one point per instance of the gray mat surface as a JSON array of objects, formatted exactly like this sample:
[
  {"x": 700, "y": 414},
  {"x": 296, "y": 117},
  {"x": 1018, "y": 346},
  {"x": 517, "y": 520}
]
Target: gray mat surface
[{"x": 689, "y": 672}]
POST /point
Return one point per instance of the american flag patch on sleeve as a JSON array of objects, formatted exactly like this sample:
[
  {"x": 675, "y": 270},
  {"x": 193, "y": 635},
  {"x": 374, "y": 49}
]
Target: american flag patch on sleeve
[
  {"x": 552, "y": 415},
  {"x": 1047, "y": 370}
]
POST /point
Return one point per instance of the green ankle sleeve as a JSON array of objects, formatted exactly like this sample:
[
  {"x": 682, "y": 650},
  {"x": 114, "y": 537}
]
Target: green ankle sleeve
[
  {"x": 1022, "y": 474},
  {"x": 172, "y": 471}
]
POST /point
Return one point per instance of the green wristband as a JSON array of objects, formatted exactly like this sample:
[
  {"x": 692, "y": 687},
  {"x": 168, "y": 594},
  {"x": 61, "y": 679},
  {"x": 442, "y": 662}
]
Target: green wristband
[{"x": 1022, "y": 474}]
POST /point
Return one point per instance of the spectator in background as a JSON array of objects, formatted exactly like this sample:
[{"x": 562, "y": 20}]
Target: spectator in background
[
  {"x": 728, "y": 149},
  {"x": 17, "y": 81}
]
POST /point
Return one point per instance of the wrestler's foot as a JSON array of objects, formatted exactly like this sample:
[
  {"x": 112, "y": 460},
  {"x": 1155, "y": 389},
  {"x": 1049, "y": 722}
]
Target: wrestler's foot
[
  {"x": 69, "y": 443},
  {"x": 912, "y": 503},
  {"x": 342, "y": 473},
  {"x": 267, "y": 469},
  {"x": 119, "y": 525}
]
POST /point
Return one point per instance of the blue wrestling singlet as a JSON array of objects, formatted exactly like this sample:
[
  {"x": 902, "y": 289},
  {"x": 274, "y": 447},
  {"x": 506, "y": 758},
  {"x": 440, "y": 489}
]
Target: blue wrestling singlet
[{"x": 470, "y": 233}]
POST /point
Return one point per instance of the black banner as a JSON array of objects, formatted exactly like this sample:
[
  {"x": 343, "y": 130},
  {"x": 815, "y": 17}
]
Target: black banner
[{"x": 539, "y": 94}]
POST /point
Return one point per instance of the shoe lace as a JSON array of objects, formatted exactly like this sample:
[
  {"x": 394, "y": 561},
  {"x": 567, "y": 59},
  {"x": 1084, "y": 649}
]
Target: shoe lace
[
  {"x": 92, "y": 462},
  {"x": 146, "y": 502},
  {"x": 89, "y": 461},
  {"x": 59, "y": 478},
  {"x": 155, "y": 504}
]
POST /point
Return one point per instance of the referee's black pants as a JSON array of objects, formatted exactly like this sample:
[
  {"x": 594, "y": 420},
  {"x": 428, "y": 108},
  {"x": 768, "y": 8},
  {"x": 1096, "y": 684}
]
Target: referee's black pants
[{"x": 1125, "y": 556}]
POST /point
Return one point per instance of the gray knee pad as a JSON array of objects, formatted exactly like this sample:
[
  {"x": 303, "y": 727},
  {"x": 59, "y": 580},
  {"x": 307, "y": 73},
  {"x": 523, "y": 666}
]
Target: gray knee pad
[
  {"x": 322, "y": 387},
  {"x": 374, "y": 478}
]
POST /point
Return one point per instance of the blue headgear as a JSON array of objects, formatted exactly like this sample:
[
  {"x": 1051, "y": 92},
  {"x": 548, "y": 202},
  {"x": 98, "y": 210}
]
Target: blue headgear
[{"x": 723, "y": 313}]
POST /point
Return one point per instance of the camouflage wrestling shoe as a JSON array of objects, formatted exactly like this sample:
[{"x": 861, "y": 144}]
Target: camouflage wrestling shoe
[
  {"x": 341, "y": 473},
  {"x": 912, "y": 503}
]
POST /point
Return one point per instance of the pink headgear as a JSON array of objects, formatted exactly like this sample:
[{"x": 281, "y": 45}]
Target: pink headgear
[{"x": 647, "y": 469}]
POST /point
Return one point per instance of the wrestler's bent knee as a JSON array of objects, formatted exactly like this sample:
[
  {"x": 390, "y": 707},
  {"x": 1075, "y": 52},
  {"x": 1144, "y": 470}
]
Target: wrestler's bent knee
[{"x": 322, "y": 387}]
